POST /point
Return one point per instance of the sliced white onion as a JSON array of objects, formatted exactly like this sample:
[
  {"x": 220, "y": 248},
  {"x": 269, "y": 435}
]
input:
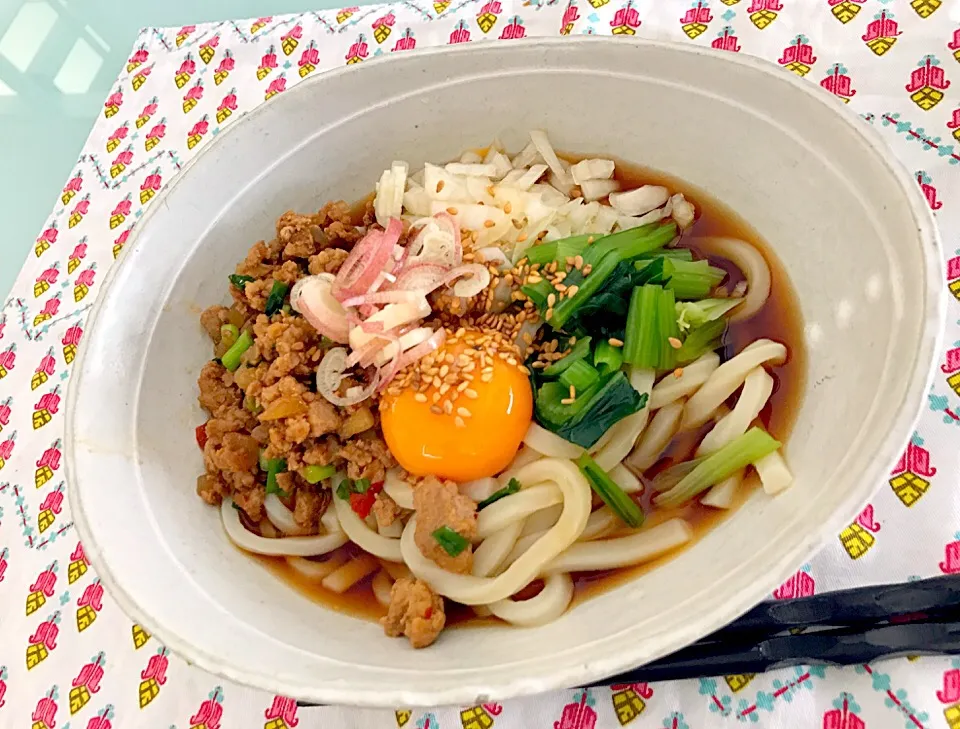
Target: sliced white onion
[
  {"x": 363, "y": 536},
  {"x": 640, "y": 201},
  {"x": 330, "y": 373},
  {"x": 592, "y": 169},
  {"x": 471, "y": 170},
  {"x": 390, "y": 317},
  {"x": 682, "y": 211},
  {"x": 598, "y": 189},
  {"x": 478, "y": 279},
  {"x": 502, "y": 163},
  {"x": 405, "y": 341},
  {"x": 286, "y": 546},
  {"x": 439, "y": 239},
  {"x": 491, "y": 254},
  {"x": 626, "y": 223},
  {"x": 528, "y": 155},
  {"x": 441, "y": 185},
  {"x": 312, "y": 297},
  {"x": 470, "y": 158},
  {"x": 385, "y": 297},
  {"x": 388, "y": 202},
  {"x": 542, "y": 143}
]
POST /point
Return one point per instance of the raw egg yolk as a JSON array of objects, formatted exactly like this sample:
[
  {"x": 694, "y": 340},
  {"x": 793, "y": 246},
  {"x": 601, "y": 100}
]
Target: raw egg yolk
[{"x": 475, "y": 435}]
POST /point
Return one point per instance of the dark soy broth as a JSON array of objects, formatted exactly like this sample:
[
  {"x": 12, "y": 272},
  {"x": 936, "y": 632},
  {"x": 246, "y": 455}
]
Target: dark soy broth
[{"x": 779, "y": 319}]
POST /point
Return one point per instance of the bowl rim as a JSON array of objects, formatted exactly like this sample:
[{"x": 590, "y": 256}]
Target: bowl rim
[{"x": 575, "y": 674}]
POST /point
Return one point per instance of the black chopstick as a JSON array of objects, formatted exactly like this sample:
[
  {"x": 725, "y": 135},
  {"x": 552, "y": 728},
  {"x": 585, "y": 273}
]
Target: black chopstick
[{"x": 881, "y": 621}]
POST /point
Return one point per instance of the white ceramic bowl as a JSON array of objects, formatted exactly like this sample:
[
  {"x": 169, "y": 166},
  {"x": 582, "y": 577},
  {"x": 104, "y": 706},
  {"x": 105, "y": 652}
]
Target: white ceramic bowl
[{"x": 850, "y": 226}]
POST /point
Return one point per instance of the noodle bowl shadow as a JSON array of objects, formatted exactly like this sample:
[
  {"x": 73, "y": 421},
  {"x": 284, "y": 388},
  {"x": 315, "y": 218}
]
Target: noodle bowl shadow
[{"x": 846, "y": 221}]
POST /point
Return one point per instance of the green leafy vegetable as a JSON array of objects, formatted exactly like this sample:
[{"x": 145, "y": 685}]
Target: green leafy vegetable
[
  {"x": 239, "y": 280},
  {"x": 607, "y": 358},
  {"x": 579, "y": 351},
  {"x": 641, "y": 345},
  {"x": 275, "y": 300},
  {"x": 608, "y": 401},
  {"x": 612, "y": 495},
  {"x": 701, "y": 340},
  {"x": 511, "y": 488},
  {"x": 692, "y": 279},
  {"x": 590, "y": 285},
  {"x": 231, "y": 358},
  {"x": 557, "y": 250},
  {"x": 667, "y": 330},
  {"x": 691, "y": 314},
  {"x": 739, "y": 453},
  {"x": 453, "y": 542},
  {"x": 579, "y": 375},
  {"x": 316, "y": 474}
]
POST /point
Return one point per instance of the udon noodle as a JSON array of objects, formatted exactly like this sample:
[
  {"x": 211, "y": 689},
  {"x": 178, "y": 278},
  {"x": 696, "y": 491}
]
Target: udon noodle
[{"x": 433, "y": 309}]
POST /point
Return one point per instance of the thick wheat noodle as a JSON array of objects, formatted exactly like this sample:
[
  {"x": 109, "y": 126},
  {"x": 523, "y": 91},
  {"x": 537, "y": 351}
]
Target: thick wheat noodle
[
  {"x": 349, "y": 574},
  {"x": 398, "y": 490},
  {"x": 525, "y": 455},
  {"x": 542, "y": 520},
  {"x": 624, "y": 478},
  {"x": 548, "y": 605},
  {"x": 488, "y": 557},
  {"x": 625, "y": 433},
  {"x": 721, "y": 496},
  {"x": 663, "y": 426},
  {"x": 608, "y": 554},
  {"x": 470, "y": 590},
  {"x": 316, "y": 570},
  {"x": 363, "y": 536},
  {"x": 774, "y": 473},
  {"x": 727, "y": 378},
  {"x": 601, "y": 522},
  {"x": 550, "y": 444},
  {"x": 751, "y": 263},
  {"x": 282, "y": 518},
  {"x": 396, "y": 570},
  {"x": 282, "y": 547},
  {"x": 671, "y": 388},
  {"x": 757, "y": 388},
  {"x": 381, "y": 584},
  {"x": 516, "y": 507}
]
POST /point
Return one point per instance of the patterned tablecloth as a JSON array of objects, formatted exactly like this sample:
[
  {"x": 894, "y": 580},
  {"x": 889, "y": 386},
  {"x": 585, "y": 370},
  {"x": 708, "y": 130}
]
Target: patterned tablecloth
[{"x": 70, "y": 658}]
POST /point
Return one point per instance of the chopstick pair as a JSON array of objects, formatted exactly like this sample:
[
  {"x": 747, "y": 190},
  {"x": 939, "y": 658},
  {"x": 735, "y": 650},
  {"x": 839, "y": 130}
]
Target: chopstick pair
[{"x": 851, "y": 626}]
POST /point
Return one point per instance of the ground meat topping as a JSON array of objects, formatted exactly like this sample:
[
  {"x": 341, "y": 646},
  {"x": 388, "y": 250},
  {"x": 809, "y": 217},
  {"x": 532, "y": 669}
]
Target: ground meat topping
[
  {"x": 415, "y": 611},
  {"x": 385, "y": 510},
  {"x": 440, "y": 504}
]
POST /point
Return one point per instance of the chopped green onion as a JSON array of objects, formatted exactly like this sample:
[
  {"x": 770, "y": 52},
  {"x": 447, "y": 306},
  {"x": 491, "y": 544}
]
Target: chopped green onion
[
  {"x": 251, "y": 404},
  {"x": 361, "y": 485},
  {"x": 316, "y": 474},
  {"x": 263, "y": 461},
  {"x": 607, "y": 358},
  {"x": 739, "y": 453},
  {"x": 668, "y": 330},
  {"x": 345, "y": 489},
  {"x": 275, "y": 466},
  {"x": 229, "y": 334},
  {"x": 286, "y": 308},
  {"x": 239, "y": 280},
  {"x": 692, "y": 279},
  {"x": 580, "y": 351},
  {"x": 275, "y": 299},
  {"x": 701, "y": 340},
  {"x": 590, "y": 285},
  {"x": 511, "y": 488},
  {"x": 453, "y": 542},
  {"x": 612, "y": 495},
  {"x": 642, "y": 334},
  {"x": 579, "y": 375},
  {"x": 231, "y": 358}
]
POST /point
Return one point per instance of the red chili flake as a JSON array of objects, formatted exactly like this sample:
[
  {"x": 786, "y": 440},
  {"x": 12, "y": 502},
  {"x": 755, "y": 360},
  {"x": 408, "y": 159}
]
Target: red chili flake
[
  {"x": 428, "y": 612},
  {"x": 201, "y": 433},
  {"x": 363, "y": 503}
]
